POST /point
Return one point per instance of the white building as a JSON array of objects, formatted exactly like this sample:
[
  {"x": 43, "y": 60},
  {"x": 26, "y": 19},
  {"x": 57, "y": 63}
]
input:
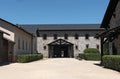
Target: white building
[
  {"x": 64, "y": 40},
  {"x": 15, "y": 41}
]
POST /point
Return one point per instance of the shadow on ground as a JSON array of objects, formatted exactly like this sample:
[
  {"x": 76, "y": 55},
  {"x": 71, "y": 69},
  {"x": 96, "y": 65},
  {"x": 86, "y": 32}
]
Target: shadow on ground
[{"x": 5, "y": 63}]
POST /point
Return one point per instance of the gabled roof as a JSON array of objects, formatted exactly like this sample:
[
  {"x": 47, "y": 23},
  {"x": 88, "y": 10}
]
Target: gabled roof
[
  {"x": 60, "y": 42},
  {"x": 109, "y": 12},
  {"x": 16, "y": 26},
  {"x": 33, "y": 27}
]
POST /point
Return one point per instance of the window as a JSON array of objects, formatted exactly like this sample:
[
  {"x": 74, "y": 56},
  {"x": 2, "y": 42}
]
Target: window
[
  {"x": 87, "y": 46},
  {"x": 55, "y": 36},
  {"x": 44, "y": 47},
  {"x": 76, "y": 47},
  {"x": 97, "y": 38},
  {"x": 97, "y": 46},
  {"x": 29, "y": 46},
  {"x": 87, "y": 36},
  {"x": 97, "y": 35},
  {"x": 66, "y": 36},
  {"x": 18, "y": 43},
  {"x": 76, "y": 36},
  {"x": 26, "y": 45},
  {"x": 114, "y": 14},
  {"x": 44, "y": 36},
  {"x": 23, "y": 44}
]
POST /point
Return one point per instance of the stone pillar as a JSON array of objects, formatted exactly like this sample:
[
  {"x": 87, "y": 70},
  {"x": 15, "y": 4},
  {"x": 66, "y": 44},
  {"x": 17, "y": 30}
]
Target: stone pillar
[{"x": 110, "y": 48}]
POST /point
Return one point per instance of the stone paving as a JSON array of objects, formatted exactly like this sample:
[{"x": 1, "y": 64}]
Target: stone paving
[{"x": 57, "y": 68}]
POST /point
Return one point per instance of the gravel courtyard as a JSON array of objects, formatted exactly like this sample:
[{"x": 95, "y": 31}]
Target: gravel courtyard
[{"x": 59, "y": 68}]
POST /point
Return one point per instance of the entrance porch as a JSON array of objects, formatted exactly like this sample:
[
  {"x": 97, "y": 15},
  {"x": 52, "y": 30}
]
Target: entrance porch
[{"x": 60, "y": 48}]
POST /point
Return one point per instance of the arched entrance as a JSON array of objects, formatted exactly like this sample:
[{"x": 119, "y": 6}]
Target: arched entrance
[{"x": 60, "y": 48}]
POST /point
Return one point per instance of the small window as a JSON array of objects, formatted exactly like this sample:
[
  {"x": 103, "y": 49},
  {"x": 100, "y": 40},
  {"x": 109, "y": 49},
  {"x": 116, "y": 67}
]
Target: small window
[
  {"x": 97, "y": 38},
  {"x": 114, "y": 14},
  {"x": 44, "y": 47},
  {"x": 97, "y": 35},
  {"x": 29, "y": 46},
  {"x": 76, "y": 36},
  {"x": 97, "y": 46},
  {"x": 18, "y": 43},
  {"x": 26, "y": 45},
  {"x": 86, "y": 36},
  {"x": 87, "y": 46},
  {"x": 23, "y": 44},
  {"x": 55, "y": 36},
  {"x": 66, "y": 36},
  {"x": 44, "y": 36},
  {"x": 76, "y": 47}
]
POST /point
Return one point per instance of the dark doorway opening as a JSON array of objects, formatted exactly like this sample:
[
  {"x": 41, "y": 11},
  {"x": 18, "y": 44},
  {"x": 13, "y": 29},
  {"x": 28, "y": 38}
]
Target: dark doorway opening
[
  {"x": 4, "y": 53},
  {"x": 60, "y": 48},
  {"x": 60, "y": 51}
]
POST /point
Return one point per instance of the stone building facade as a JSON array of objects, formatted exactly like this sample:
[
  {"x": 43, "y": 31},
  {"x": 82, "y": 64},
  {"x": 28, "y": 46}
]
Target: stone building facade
[
  {"x": 111, "y": 22},
  {"x": 65, "y": 40}
]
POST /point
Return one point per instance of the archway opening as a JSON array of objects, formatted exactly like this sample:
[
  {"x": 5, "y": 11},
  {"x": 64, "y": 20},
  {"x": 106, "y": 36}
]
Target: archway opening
[{"x": 60, "y": 48}]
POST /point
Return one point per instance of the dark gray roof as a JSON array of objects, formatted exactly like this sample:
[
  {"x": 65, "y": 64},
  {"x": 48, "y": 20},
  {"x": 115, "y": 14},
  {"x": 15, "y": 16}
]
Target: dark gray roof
[{"x": 33, "y": 27}]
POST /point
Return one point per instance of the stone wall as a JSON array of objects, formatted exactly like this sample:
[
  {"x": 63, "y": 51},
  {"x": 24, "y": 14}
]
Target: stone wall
[
  {"x": 81, "y": 42},
  {"x": 115, "y": 22}
]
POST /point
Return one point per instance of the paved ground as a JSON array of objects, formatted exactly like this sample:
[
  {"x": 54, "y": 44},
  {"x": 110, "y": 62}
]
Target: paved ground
[{"x": 66, "y": 68}]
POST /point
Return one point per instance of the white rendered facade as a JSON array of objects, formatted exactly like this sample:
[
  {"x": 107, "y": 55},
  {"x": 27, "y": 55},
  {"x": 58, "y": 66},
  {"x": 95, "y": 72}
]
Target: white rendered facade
[{"x": 19, "y": 41}]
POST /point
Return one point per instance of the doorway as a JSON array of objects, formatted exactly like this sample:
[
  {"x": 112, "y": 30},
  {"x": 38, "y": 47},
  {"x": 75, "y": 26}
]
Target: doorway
[{"x": 60, "y": 49}]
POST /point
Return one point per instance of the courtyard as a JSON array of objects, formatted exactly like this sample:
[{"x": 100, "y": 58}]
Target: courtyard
[{"x": 57, "y": 68}]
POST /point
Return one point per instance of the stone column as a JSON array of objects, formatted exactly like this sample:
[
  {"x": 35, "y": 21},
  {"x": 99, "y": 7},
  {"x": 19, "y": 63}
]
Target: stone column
[{"x": 110, "y": 48}]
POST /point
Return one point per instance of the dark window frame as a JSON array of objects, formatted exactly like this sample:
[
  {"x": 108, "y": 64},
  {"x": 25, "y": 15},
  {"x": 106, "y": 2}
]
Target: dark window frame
[
  {"x": 55, "y": 36},
  {"x": 97, "y": 46},
  {"x": 87, "y": 46},
  {"x": 87, "y": 36},
  {"x": 66, "y": 36},
  {"x": 76, "y": 36},
  {"x": 76, "y": 47},
  {"x": 23, "y": 44},
  {"x": 19, "y": 44},
  {"x": 44, "y": 36},
  {"x": 44, "y": 47}
]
